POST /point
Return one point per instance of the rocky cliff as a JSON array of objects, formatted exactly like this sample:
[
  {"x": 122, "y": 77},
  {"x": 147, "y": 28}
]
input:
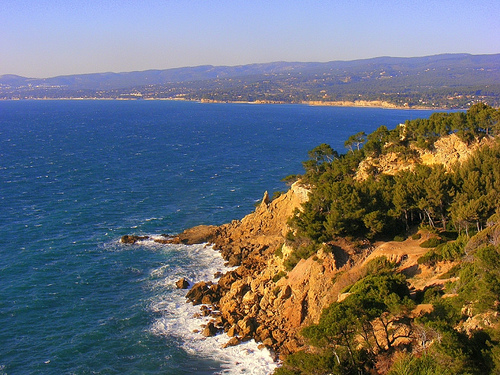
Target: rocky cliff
[
  {"x": 447, "y": 151},
  {"x": 260, "y": 299}
]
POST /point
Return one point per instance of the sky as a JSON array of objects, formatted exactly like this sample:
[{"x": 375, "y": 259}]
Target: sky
[{"x": 46, "y": 38}]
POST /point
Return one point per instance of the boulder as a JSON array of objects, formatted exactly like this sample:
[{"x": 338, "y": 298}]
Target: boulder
[
  {"x": 205, "y": 311},
  {"x": 233, "y": 341},
  {"x": 197, "y": 235},
  {"x": 209, "y": 330},
  {"x": 268, "y": 342},
  {"x": 227, "y": 280},
  {"x": 197, "y": 292},
  {"x": 262, "y": 333},
  {"x": 207, "y": 299},
  {"x": 247, "y": 326},
  {"x": 234, "y": 260},
  {"x": 233, "y": 331},
  {"x": 182, "y": 283},
  {"x": 132, "y": 239}
]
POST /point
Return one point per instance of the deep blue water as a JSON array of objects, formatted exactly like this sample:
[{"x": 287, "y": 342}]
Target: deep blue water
[{"x": 77, "y": 175}]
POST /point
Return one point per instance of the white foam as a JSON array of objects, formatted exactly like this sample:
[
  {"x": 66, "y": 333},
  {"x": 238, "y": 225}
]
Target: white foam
[{"x": 199, "y": 263}]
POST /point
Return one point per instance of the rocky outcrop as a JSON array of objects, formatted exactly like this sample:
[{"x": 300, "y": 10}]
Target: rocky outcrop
[
  {"x": 446, "y": 151},
  {"x": 260, "y": 299},
  {"x": 182, "y": 283},
  {"x": 195, "y": 235},
  {"x": 131, "y": 239}
]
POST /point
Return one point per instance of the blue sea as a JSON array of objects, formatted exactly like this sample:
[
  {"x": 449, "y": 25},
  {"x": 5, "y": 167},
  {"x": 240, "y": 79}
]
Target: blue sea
[{"x": 77, "y": 175}]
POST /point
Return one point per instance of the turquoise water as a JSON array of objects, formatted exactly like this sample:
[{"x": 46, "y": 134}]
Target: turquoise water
[{"x": 77, "y": 175}]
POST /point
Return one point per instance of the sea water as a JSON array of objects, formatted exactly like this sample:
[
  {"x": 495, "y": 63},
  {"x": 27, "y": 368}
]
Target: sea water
[{"x": 77, "y": 175}]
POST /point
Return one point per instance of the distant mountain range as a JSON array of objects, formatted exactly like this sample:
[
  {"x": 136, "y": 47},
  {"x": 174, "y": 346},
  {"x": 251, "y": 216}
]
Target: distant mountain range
[{"x": 448, "y": 80}]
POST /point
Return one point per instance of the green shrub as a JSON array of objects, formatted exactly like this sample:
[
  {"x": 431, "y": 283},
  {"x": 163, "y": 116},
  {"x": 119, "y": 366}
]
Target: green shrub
[
  {"x": 291, "y": 261},
  {"x": 279, "y": 252},
  {"x": 290, "y": 179},
  {"x": 290, "y": 236},
  {"x": 426, "y": 227},
  {"x": 416, "y": 236},
  {"x": 431, "y": 242},
  {"x": 278, "y": 276},
  {"x": 448, "y": 251},
  {"x": 399, "y": 238},
  {"x": 424, "y": 365},
  {"x": 451, "y": 273},
  {"x": 430, "y": 258},
  {"x": 308, "y": 363},
  {"x": 277, "y": 194},
  {"x": 305, "y": 252},
  {"x": 449, "y": 235},
  {"x": 453, "y": 250},
  {"x": 379, "y": 265},
  {"x": 432, "y": 294}
]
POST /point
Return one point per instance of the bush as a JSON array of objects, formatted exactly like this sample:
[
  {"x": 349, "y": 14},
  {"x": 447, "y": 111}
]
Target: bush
[
  {"x": 277, "y": 194},
  {"x": 291, "y": 261},
  {"x": 432, "y": 294},
  {"x": 451, "y": 273},
  {"x": 449, "y": 251},
  {"x": 431, "y": 242},
  {"x": 308, "y": 363},
  {"x": 278, "y": 276},
  {"x": 416, "y": 236},
  {"x": 399, "y": 238},
  {"x": 279, "y": 252},
  {"x": 424, "y": 365},
  {"x": 449, "y": 235},
  {"x": 379, "y": 265},
  {"x": 453, "y": 250},
  {"x": 430, "y": 258}
]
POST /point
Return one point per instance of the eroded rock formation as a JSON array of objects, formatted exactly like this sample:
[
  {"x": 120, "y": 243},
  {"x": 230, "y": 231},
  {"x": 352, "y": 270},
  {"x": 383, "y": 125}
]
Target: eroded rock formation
[{"x": 259, "y": 299}]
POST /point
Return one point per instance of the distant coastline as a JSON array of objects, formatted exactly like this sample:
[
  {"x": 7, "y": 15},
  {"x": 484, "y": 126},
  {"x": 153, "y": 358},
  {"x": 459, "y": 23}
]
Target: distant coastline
[
  {"x": 343, "y": 103},
  {"x": 448, "y": 81}
]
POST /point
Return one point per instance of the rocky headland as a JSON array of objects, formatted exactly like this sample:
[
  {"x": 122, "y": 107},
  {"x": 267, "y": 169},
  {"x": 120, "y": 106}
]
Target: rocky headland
[
  {"x": 268, "y": 298},
  {"x": 263, "y": 300}
]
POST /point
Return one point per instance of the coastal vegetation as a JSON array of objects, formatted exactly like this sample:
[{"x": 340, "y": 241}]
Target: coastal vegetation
[
  {"x": 462, "y": 198},
  {"x": 383, "y": 324}
]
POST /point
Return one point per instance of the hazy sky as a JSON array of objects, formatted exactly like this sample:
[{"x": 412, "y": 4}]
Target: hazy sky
[{"x": 44, "y": 38}]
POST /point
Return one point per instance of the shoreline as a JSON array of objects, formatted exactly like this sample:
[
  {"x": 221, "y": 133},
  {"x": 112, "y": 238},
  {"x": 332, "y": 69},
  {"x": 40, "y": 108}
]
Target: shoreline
[{"x": 346, "y": 103}]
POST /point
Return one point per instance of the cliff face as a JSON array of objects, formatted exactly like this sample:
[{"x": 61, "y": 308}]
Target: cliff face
[
  {"x": 261, "y": 231},
  {"x": 447, "y": 151},
  {"x": 259, "y": 299}
]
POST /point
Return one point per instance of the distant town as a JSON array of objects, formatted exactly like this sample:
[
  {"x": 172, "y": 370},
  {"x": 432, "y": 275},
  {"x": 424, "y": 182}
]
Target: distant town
[{"x": 454, "y": 81}]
